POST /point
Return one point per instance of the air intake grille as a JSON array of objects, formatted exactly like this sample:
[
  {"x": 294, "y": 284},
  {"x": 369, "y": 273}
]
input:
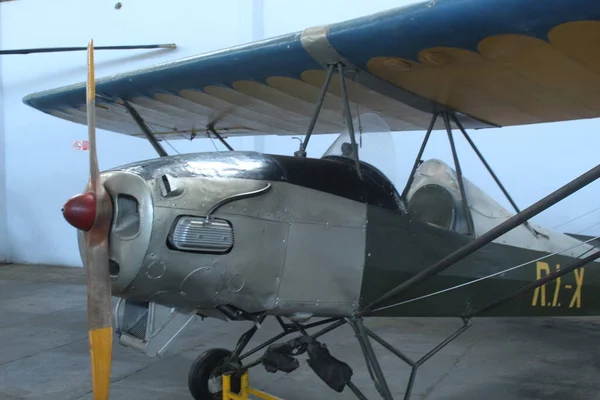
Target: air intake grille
[
  {"x": 198, "y": 234},
  {"x": 139, "y": 329}
]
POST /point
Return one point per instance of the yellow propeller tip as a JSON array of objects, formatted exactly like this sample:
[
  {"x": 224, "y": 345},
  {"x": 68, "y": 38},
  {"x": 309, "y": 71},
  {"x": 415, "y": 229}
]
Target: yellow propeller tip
[{"x": 101, "y": 357}]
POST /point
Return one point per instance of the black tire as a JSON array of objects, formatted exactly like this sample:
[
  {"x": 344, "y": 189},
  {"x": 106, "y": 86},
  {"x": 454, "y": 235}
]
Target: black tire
[{"x": 202, "y": 370}]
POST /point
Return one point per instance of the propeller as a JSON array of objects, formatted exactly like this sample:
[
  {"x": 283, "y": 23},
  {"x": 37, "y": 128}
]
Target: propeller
[{"x": 91, "y": 213}]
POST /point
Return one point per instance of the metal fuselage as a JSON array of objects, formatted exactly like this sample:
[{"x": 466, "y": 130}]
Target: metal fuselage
[{"x": 302, "y": 237}]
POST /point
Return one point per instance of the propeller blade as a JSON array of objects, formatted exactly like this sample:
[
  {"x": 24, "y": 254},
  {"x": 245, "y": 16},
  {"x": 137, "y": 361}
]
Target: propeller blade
[
  {"x": 97, "y": 258},
  {"x": 91, "y": 117}
]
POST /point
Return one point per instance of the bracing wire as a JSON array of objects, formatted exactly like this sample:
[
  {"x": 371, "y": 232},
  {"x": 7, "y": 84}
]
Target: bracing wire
[
  {"x": 171, "y": 146},
  {"x": 576, "y": 218},
  {"x": 214, "y": 144},
  {"x": 589, "y": 227},
  {"x": 485, "y": 277}
]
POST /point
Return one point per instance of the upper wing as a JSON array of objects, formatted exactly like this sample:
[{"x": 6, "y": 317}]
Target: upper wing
[{"x": 497, "y": 62}]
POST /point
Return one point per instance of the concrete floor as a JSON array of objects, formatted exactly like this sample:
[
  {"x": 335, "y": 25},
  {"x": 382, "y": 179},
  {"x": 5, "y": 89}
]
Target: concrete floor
[{"x": 44, "y": 352}]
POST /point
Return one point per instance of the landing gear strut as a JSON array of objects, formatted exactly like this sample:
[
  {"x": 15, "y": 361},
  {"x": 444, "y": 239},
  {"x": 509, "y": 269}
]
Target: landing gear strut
[{"x": 205, "y": 376}]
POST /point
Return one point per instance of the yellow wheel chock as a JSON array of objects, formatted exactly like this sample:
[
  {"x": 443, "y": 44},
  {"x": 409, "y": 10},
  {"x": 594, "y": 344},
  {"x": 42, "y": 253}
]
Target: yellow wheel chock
[{"x": 245, "y": 391}]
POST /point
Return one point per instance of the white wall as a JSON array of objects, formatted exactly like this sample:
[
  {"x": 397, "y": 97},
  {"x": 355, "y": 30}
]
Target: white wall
[{"x": 42, "y": 171}]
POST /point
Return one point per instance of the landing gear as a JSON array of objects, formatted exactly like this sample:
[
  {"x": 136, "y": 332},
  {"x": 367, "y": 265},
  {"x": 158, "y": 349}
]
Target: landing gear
[
  {"x": 204, "y": 379},
  {"x": 283, "y": 357}
]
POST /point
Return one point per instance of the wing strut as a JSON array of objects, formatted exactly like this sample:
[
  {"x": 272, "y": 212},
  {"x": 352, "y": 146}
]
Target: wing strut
[
  {"x": 487, "y": 166},
  {"x": 311, "y": 126},
  {"x": 347, "y": 113},
  {"x": 211, "y": 128},
  {"x": 411, "y": 177},
  {"x": 140, "y": 122},
  {"x": 459, "y": 176}
]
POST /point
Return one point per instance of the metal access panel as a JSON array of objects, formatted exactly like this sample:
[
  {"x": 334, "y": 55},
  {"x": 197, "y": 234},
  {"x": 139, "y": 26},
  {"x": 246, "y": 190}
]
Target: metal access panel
[{"x": 323, "y": 269}]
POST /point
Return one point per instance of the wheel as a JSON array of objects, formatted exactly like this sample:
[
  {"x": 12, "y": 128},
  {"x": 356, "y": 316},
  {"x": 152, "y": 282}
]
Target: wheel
[{"x": 204, "y": 379}]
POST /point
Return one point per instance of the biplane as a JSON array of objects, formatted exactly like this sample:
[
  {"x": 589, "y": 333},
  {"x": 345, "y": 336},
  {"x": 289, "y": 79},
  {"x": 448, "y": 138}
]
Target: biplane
[{"x": 320, "y": 242}]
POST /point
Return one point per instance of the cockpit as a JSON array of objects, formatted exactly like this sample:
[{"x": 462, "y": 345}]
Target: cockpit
[{"x": 429, "y": 198}]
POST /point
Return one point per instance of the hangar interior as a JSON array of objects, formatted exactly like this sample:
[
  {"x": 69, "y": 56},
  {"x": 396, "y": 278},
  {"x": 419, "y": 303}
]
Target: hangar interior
[{"x": 44, "y": 161}]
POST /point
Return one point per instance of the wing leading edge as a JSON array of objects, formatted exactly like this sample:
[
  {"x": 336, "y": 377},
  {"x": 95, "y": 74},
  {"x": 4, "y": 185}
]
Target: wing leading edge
[{"x": 498, "y": 62}]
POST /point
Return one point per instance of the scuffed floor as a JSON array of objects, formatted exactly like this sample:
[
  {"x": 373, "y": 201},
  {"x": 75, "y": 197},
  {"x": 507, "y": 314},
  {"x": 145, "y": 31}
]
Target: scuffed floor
[{"x": 44, "y": 352}]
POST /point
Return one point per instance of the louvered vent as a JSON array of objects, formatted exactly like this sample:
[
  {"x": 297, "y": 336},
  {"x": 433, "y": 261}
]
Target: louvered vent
[{"x": 199, "y": 235}]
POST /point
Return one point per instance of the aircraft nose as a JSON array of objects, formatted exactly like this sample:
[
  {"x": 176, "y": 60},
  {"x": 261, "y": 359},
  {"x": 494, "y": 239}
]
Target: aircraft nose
[{"x": 130, "y": 227}]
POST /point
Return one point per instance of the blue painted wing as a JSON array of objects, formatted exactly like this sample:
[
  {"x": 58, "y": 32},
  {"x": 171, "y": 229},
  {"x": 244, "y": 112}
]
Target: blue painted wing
[{"x": 496, "y": 62}]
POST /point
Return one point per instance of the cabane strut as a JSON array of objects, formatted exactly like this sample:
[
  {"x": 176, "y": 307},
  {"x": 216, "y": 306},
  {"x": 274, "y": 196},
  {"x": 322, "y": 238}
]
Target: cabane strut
[
  {"x": 140, "y": 122},
  {"x": 345, "y": 108}
]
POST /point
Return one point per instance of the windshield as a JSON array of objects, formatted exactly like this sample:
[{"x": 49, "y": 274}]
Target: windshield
[{"x": 374, "y": 141}]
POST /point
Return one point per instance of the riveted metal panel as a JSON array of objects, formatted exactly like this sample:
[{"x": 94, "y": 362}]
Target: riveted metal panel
[
  {"x": 323, "y": 269},
  {"x": 325, "y": 253}
]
